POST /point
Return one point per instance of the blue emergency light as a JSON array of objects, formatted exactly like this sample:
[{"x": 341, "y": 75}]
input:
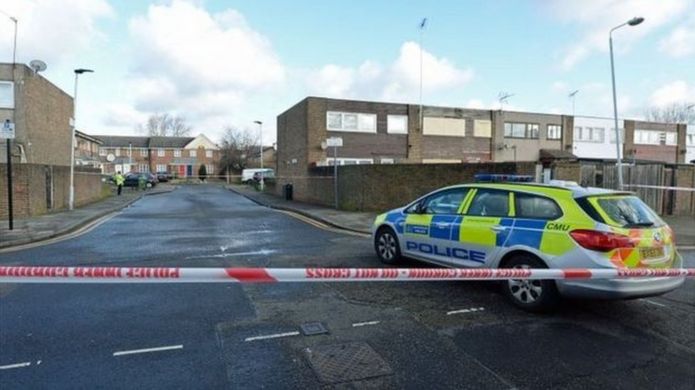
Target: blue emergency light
[{"x": 496, "y": 178}]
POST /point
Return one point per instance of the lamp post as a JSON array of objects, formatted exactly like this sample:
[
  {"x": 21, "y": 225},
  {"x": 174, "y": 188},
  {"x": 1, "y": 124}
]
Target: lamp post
[
  {"x": 260, "y": 127},
  {"x": 71, "y": 199},
  {"x": 10, "y": 212},
  {"x": 573, "y": 96},
  {"x": 618, "y": 143},
  {"x": 422, "y": 30}
]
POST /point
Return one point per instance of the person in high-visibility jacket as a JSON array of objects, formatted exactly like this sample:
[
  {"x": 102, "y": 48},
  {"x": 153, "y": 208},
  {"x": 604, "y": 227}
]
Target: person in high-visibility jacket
[{"x": 120, "y": 180}]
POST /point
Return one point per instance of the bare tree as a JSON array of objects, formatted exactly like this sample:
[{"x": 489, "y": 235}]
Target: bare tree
[
  {"x": 673, "y": 113},
  {"x": 165, "y": 125},
  {"x": 238, "y": 149}
]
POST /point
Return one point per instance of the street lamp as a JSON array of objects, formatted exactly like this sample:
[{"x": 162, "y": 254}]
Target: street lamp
[
  {"x": 8, "y": 142},
  {"x": 260, "y": 127},
  {"x": 423, "y": 24},
  {"x": 573, "y": 96},
  {"x": 71, "y": 199},
  {"x": 618, "y": 143}
]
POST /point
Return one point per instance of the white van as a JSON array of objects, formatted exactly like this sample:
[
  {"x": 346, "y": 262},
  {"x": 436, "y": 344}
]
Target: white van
[{"x": 247, "y": 174}]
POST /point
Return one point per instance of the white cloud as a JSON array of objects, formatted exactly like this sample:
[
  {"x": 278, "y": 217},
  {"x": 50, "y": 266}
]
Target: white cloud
[
  {"x": 51, "y": 30},
  {"x": 676, "y": 92},
  {"x": 205, "y": 66},
  {"x": 596, "y": 17},
  {"x": 681, "y": 41},
  {"x": 399, "y": 80}
]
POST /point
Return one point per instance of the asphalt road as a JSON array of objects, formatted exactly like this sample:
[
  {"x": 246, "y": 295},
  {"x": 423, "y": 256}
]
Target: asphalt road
[{"x": 408, "y": 335}]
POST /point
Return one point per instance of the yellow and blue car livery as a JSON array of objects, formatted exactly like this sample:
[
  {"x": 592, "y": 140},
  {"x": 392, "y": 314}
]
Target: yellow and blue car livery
[{"x": 488, "y": 224}]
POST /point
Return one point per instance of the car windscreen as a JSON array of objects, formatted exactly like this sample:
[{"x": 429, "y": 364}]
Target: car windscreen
[{"x": 626, "y": 211}]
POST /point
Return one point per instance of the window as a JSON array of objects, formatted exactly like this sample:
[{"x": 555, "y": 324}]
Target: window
[
  {"x": 452, "y": 127},
  {"x": 554, "y": 132},
  {"x": 117, "y": 151},
  {"x": 177, "y": 152},
  {"x": 520, "y": 130},
  {"x": 445, "y": 202},
  {"x": 161, "y": 152},
  {"x": 690, "y": 139},
  {"x": 349, "y": 121},
  {"x": 102, "y": 152},
  {"x": 397, "y": 124},
  {"x": 490, "y": 203},
  {"x": 589, "y": 134},
  {"x": 192, "y": 153},
  {"x": 143, "y": 168},
  {"x": 161, "y": 168},
  {"x": 647, "y": 137},
  {"x": 210, "y": 169},
  {"x": 612, "y": 135},
  {"x": 386, "y": 161},
  {"x": 350, "y": 161},
  {"x": 537, "y": 207},
  {"x": 482, "y": 128},
  {"x": 143, "y": 152},
  {"x": 6, "y": 94},
  {"x": 671, "y": 138},
  {"x": 208, "y": 153}
]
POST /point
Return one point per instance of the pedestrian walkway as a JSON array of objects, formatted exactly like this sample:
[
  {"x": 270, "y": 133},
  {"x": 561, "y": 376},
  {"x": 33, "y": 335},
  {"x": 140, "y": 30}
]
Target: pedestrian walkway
[
  {"x": 348, "y": 220},
  {"x": 683, "y": 226},
  {"x": 43, "y": 227}
]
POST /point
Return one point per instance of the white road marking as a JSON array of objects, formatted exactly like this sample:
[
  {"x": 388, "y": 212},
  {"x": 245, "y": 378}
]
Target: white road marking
[
  {"x": 16, "y": 365},
  {"x": 262, "y": 252},
  {"x": 471, "y": 310},
  {"x": 145, "y": 350},
  {"x": 358, "y": 324},
  {"x": 272, "y": 336},
  {"x": 654, "y": 303}
]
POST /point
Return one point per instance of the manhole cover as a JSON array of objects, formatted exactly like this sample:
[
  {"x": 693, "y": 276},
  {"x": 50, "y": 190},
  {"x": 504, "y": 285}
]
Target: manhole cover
[
  {"x": 313, "y": 328},
  {"x": 347, "y": 362}
]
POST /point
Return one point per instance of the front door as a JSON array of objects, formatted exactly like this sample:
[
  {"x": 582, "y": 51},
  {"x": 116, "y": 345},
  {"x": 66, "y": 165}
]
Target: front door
[
  {"x": 189, "y": 170},
  {"x": 428, "y": 227},
  {"x": 484, "y": 228}
]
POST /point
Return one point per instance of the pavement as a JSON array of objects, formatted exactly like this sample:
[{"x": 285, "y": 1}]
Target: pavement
[
  {"x": 48, "y": 226},
  {"x": 360, "y": 222},
  {"x": 409, "y": 335},
  {"x": 683, "y": 226}
]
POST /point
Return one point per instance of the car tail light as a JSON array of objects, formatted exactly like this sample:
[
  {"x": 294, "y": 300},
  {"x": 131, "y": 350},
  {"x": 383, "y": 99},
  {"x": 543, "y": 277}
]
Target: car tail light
[{"x": 601, "y": 241}]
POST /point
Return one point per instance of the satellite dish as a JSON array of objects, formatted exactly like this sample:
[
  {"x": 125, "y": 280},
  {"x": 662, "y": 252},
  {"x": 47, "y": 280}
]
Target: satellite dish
[
  {"x": 37, "y": 65},
  {"x": 110, "y": 157}
]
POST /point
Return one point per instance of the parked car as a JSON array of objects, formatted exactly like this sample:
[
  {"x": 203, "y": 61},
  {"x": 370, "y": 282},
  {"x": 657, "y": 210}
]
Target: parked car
[
  {"x": 132, "y": 179},
  {"x": 267, "y": 174},
  {"x": 518, "y": 225},
  {"x": 163, "y": 177},
  {"x": 247, "y": 174}
]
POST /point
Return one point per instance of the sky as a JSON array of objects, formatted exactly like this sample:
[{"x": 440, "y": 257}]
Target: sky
[{"x": 229, "y": 63}]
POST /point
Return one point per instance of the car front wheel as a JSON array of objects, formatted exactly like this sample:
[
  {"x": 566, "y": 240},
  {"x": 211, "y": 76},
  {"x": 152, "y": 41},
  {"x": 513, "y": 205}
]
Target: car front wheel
[
  {"x": 530, "y": 295},
  {"x": 386, "y": 246}
]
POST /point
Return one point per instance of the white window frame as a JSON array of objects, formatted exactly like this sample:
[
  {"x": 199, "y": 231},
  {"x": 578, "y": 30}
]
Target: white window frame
[
  {"x": 9, "y": 103},
  {"x": 349, "y": 161},
  {"x": 161, "y": 168},
  {"x": 103, "y": 152},
  {"x": 208, "y": 153},
  {"x": 386, "y": 161},
  {"x": 394, "y": 119},
  {"x": 117, "y": 152},
  {"x": 177, "y": 152},
  {"x": 528, "y": 128},
  {"x": 210, "y": 169},
  {"x": 671, "y": 138},
  {"x": 143, "y": 152},
  {"x": 360, "y": 117},
  {"x": 555, "y": 129},
  {"x": 192, "y": 153},
  {"x": 611, "y": 136},
  {"x": 161, "y": 152}
]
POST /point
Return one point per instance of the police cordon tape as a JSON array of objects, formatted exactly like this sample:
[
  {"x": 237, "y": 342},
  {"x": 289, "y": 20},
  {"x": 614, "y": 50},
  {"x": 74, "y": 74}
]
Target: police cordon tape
[{"x": 34, "y": 274}]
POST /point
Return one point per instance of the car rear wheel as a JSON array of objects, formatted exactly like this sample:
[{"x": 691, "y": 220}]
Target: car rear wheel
[
  {"x": 530, "y": 295},
  {"x": 386, "y": 246}
]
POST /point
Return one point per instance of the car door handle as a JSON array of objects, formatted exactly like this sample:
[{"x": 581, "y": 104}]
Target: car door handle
[
  {"x": 497, "y": 228},
  {"x": 442, "y": 225}
]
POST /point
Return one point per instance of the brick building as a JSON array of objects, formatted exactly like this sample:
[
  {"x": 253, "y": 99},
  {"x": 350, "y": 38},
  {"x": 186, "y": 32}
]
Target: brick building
[
  {"x": 179, "y": 156},
  {"x": 87, "y": 150},
  {"x": 41, "y": 113}
]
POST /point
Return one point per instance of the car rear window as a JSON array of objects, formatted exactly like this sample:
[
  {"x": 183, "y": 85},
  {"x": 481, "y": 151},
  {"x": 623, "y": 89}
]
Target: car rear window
[{"x": 626, "y": 211}]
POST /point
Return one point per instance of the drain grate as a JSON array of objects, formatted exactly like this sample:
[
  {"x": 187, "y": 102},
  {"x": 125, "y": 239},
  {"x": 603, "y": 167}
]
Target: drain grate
[{"x": 347, "y": 362}]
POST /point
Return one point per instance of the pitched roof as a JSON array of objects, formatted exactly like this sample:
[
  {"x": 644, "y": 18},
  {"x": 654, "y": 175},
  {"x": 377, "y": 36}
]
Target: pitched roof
[
  {"x": 169, "y": 142},
  {"x": 123, "y": 141}
]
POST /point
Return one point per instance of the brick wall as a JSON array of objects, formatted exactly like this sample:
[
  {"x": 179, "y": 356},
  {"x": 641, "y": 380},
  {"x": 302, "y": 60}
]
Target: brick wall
[{"x": 39, "y": 189}]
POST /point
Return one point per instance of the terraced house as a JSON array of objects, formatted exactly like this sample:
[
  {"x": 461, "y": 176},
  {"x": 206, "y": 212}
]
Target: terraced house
[{"x": 178, "y": 156}]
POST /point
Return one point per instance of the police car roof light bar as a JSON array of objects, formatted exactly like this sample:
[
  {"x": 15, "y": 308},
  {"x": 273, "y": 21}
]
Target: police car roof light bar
[{"x": 496, "y": 178}]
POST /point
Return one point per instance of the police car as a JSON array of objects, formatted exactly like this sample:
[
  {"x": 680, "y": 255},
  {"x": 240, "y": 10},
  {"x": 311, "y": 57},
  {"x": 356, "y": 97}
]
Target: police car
[{"x": 528, "y": 225}]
